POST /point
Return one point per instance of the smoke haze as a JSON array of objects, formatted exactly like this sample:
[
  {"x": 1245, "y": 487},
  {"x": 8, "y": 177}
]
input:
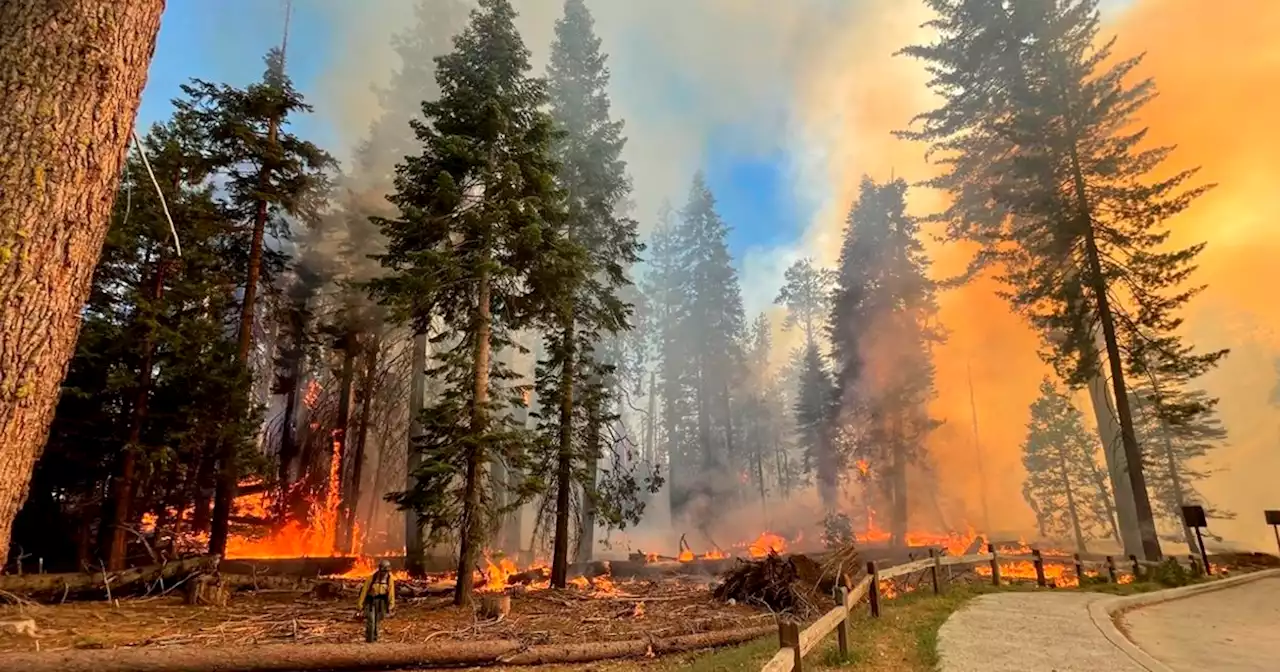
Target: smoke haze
[{"x": 816, "y": 80}]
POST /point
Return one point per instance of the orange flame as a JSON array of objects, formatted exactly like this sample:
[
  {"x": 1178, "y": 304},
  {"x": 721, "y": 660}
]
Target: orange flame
[
  {"x": 765, "y": 544},
  {"x": 686, "y": 556}
]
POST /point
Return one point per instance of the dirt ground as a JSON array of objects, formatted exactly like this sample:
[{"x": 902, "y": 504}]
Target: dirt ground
[{"x": 634, "y": 608}]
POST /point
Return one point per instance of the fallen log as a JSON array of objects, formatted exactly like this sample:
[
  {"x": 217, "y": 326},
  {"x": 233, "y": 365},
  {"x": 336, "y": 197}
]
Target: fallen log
[
  {"x": 359, "y": 657},
  {"x": 126, "y": 582}
]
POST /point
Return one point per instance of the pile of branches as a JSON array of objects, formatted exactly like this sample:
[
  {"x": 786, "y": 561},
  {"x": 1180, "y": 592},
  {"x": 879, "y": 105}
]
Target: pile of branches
[{"x": 772, "y": 582}]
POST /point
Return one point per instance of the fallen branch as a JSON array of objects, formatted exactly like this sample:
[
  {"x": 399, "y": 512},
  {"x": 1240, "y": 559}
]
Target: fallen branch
[{"x": 351, "y": 658}]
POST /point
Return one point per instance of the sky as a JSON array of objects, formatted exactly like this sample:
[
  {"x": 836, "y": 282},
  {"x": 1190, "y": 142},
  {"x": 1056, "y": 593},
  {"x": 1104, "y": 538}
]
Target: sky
[{"x": 212, "y": 41}]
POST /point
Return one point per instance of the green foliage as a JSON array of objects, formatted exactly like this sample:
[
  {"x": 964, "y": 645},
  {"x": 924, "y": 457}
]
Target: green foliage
[
  {"x": 813, "y": 416},
  {"x": 477, "y": 248},
  {"x": 806, "y": 294},
  {"x": 837, "y": 531},
  {"x": 1170, "y": 574},
  {"x": 1064, "y": 484}
]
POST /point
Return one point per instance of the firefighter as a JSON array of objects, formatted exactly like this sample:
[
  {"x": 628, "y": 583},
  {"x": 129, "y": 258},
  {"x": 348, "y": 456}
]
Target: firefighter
[{"x": 377, "y": 599}]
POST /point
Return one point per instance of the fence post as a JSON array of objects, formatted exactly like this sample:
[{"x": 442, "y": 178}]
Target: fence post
[
  {"x": 933, "y": 571},
  {"x": 1137, "y": 568},
  {"x": 1195, "y": 565},
  {"x": 1038, "y": 561},
  {"x": 842, "y": 630},
  {"x": 1111, "y": 569},
  {"x": 789, "y": 636},
  {"x": 995, "y": 565},
  {"x": 874, "y": 593},
  {"x": 1079, "y": 568}
]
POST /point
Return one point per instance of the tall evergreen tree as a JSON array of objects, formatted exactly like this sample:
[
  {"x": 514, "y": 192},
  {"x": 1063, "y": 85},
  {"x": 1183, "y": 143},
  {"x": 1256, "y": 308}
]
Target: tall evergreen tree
[
  {"x": 883, "y": 325},
  {"x": 1061, "y": 486},
  {"x": 594, "y": 180},
  {"x": 271, "y": 176},
  {"x": 474, "y": 246},
  {"x": 1048, "y": 175},
  {"x": 806, "y": 294}
]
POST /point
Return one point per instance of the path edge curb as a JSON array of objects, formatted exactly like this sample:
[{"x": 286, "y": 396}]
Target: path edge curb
[{"x": 1103, "y": 612}]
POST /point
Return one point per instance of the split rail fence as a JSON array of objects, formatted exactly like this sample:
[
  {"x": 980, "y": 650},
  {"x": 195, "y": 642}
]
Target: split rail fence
[{"x": 795, "y": 643}]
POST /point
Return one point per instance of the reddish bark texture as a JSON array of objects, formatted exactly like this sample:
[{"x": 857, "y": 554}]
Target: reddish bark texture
[{"x": 71, "y": 77}]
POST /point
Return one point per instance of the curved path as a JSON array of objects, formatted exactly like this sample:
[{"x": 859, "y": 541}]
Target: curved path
[
  {"x": 1232, "y": 629},
  {"x": 1235, "y": 628}
]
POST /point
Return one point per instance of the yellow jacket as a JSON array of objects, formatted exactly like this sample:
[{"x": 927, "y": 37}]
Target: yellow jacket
[{"x": 368, "y": 584}]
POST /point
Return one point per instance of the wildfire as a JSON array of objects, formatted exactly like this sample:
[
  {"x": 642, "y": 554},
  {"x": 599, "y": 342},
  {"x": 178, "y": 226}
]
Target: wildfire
[
  {"x": 495, "y": 576},
  {"x": 364, "y": 566},
  {"x": 864, "y": 467},
  {"x": 765, "y": 544},
  {"x": 686, "y": 556},
  {"x": 715, "y": 554}
]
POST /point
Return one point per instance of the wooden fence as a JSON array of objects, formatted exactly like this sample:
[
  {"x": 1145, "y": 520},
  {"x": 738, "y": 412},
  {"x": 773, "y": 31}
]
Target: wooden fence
[{"x": 795, "y": 644}]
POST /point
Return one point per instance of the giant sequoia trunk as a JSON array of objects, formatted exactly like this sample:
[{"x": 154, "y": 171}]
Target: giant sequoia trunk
[
  {"x": 71, "y": 75},
  {"x": 341, "y": 434},
  {"x": 352, "y": 491}
]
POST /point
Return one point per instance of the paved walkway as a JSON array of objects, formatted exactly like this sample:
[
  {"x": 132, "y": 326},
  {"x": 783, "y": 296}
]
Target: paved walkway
[
  {"x": 1029, "y": 632},
  {"x": 1235, "y": 629}
]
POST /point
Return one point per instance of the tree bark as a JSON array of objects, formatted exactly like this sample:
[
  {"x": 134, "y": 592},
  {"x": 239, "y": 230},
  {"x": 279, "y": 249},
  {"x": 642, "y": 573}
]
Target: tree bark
[
  {"x": 587, "y": 535},
  {"x": 415, "y": 560},
  {"x": 341, "y": 436},
  {"x": 1072, "y": 511},
  {"x": 362, "y": 439},
  {"x": 472, "y": 528},
  {"x": 71, "y": 76},
  {"x": 564, "y": 466}
]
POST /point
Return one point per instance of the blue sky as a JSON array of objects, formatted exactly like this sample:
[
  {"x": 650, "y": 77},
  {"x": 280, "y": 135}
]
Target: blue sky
[{"x": 213, "y": 41}]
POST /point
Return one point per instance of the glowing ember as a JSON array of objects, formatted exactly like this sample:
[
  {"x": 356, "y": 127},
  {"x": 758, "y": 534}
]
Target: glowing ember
[
  {"x": 863, "y": 466},
  {"x": 686, "y": 556},
  {"x": 714, "y": 555},
  {"x": 765, "y": 544}
]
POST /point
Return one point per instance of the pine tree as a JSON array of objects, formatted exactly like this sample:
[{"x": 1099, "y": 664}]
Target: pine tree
[
  {"x": 474, "y": 247},
  {"x": 594, "y": 179},
  {"x": 713, "y": 325},
  {"x": 270, "y": 176},
  {"x": 1047, "y": 174},
  {"x": 813, "y": 411},
  {"x": 1177, "y": 427},
  {"x": 56, "y": 207},
  {"x": 883, "y": 325},
  {"x": 1061, "y": 485},
  {"x": 807, "y": 297}
]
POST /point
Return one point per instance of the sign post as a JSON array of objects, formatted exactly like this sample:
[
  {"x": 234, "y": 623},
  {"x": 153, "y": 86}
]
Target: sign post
[
  {"x": 1273, "y": 519},
  {"x": 1193, "y": 516}
]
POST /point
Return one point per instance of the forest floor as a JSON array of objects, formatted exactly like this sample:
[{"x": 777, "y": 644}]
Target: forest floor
[{"x": 631, "y": 609}]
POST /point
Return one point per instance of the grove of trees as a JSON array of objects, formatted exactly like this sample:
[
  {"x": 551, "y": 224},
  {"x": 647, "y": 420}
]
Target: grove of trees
[{"x": 465, "y": 322}]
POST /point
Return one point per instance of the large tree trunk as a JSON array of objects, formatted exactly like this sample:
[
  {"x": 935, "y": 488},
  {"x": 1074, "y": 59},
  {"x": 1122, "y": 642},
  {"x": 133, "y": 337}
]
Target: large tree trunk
[
  {"x": 1072, "y": 510},
  {"x": 229, "y": 467},
  {"x": 362, "y": 439},
  {"x": 564, "y": 466},
  {"x": 122, "y": 486},
  {"x": 587, "y": 535},
  {"x": 415, "y": 560},
  {"x": 472, "y": 516},
  {"x": 341, "y": 437},
  {"x": 71, "y": 75}
]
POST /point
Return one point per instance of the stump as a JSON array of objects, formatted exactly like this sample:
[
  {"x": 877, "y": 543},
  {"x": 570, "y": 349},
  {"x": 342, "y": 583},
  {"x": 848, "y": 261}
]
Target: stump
[
  {"x": 206, "y": 590},
  {"x": 23, "y": 627},
  {"x": 495, "y": 606},
  {"x": 327, "y": 590}
]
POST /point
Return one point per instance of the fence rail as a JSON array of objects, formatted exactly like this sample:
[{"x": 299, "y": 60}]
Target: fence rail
[{"x": 795, "y": 643}]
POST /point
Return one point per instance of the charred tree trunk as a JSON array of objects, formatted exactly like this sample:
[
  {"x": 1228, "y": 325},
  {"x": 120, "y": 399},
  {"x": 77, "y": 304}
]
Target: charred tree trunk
[
  {"x": 71, "y": 75},
  {"x": 564, "y": 466},
  {"x": 898, "y": 516},
  {"x": 415, "y": 559},
  {"x": 288, "y": 434},
  {"x": 362, "y": 439},
  {"x": 341, "y": 435},
  {"x": 122, "y": 486},
  {"x": 229, "y": 467},
  {"x": 472, "y": 517}
]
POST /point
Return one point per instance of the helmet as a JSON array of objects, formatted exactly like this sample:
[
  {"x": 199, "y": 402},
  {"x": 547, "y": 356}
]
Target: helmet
[{"x": 385, "y": 564}]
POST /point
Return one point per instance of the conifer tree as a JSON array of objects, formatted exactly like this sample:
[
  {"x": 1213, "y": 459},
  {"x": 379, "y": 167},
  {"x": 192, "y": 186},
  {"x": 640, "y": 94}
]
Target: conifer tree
[
  {"x": 1061, "y": 486},
  {"x": 813, "y": 411},
  {"x": 588, "y": 308},
  {"x": 1048, "y": 174},
  {"x": 474, "y": 246},
  {"x": 807, "y": 297},
  {"x": 1177, "y": 426},
  {"x": 270, "y": 176},
  {"x": 884, "y": 316}
]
